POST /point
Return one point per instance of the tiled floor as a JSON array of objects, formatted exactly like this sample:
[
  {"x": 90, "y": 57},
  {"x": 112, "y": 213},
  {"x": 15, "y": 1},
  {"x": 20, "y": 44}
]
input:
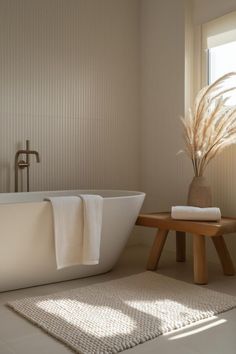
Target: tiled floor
[{"x": 213, "y": 336}]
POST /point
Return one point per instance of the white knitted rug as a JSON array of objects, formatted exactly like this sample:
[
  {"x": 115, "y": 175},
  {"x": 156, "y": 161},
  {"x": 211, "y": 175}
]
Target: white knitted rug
[{"x": 119, "y": 314}]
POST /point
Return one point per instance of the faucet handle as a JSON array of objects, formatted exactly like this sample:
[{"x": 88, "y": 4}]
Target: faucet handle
[{"x": 22, "y": 164}]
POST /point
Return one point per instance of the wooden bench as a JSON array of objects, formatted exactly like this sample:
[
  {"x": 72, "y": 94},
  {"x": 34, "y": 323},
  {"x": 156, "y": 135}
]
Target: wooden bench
[{"x": 200, "y": 230}]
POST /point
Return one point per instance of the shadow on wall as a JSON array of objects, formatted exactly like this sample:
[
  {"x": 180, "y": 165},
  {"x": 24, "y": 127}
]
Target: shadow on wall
[{"x": 5, "y": 175}]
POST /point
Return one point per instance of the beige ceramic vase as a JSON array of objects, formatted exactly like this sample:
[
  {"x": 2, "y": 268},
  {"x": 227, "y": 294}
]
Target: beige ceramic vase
[{"x": 199, "y": 193}]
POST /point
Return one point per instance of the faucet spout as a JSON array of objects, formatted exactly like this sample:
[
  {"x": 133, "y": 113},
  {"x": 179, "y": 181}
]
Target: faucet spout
[{"x": 33, "y": 152}]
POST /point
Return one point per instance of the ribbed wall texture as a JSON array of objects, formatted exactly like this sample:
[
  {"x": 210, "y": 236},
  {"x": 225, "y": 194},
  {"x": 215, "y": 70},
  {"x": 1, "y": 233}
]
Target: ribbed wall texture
[
  {"x": 162, "y": 93},
  {"x": 165, "y": 175},
  {"x": 69, "y": 82}
]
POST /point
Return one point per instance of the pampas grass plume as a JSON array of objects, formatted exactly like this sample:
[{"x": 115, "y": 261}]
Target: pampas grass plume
[{"x": 211, "y": 125}]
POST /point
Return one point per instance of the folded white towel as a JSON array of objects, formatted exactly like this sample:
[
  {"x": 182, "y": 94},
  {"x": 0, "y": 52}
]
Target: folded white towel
[
  {"x": 195, "y": 213},
  {"x": 77, "y": 229},
  {"x": 93, "y": 209}
]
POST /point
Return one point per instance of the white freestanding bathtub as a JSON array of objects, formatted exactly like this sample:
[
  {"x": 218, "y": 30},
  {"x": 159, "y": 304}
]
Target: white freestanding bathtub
[{"x": 27, "y": 254}]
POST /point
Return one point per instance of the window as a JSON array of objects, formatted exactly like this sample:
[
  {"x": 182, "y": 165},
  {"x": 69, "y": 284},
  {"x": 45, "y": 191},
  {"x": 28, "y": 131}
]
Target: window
[
  {"x": 221, "y": 59},
  {"x": 219, "y": 49}
]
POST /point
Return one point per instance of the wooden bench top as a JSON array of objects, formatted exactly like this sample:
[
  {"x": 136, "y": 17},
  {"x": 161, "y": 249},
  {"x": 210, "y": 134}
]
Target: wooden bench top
[{"x": 207, "y": 228}]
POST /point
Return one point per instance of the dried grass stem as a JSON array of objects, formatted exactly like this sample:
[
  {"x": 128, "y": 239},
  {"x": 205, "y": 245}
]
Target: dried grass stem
[{"x": 211, "y": 126}]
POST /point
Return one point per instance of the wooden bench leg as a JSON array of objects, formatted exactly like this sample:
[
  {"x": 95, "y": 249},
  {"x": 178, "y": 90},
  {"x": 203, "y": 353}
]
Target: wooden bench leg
[
  {"x": 199, "y": 259},
  {"x": 223, "y": 253},
  {"x": 180, "y": 246},
  {"x": 156, "y": 249}
]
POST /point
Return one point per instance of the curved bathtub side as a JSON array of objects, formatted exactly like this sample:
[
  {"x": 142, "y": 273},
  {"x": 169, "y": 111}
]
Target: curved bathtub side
[
  {"x": 27, "y": 254},
  {"x": 119, "y": 219}
]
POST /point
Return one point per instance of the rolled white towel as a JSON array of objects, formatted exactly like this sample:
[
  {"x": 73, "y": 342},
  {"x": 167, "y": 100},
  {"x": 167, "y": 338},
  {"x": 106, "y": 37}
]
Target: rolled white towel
[{"x": 195, "y": 213}]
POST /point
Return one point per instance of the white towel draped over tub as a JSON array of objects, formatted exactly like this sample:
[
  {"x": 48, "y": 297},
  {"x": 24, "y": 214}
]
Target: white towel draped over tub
[{"x": 77, "y": 229}]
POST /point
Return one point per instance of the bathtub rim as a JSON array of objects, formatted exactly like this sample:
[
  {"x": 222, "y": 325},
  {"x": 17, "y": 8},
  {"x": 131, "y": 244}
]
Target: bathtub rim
[{"x": 121, "y": 193}]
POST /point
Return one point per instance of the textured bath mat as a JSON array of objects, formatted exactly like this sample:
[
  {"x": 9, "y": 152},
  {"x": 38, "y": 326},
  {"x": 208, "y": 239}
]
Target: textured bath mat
[{"x": 113, "y": 316}]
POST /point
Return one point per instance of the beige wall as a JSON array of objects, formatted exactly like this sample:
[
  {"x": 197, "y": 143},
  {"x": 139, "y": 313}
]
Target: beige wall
[
  {"x": 222, "y": 170},
  {"x": 206, "y": 10},
  {"x": 166, "y": 59},
  {"x": 162, "y": 93},
  {"x": 165, "y": 175},
  {"x": 98, "y": 87},
  {"x": 69, "y": 82}
]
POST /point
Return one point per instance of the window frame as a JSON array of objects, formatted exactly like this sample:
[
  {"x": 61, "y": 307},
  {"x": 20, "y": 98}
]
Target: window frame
[{"x": 219, "y": 31}]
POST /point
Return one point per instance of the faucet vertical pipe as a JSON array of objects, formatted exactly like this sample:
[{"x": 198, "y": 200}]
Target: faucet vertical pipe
[
  {"x": 28, "y": 163},
  {"x": 16, "y": 172}
]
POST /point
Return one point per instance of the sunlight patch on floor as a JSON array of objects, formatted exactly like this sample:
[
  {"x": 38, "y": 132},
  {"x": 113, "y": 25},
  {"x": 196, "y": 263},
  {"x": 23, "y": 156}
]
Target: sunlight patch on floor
[
  {"x": 202, "y": 328},
  {"x": 90, "y": 319}
]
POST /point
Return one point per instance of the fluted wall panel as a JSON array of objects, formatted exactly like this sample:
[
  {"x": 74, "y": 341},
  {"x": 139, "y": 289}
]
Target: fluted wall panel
[{"x": 69, "y": 82}]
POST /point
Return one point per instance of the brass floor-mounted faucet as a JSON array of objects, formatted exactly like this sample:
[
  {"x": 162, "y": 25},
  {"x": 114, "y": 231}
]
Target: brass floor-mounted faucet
[{"x": 22, "y": 164}]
